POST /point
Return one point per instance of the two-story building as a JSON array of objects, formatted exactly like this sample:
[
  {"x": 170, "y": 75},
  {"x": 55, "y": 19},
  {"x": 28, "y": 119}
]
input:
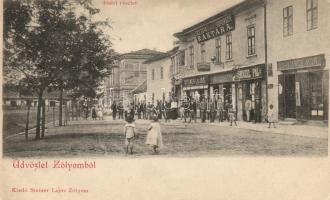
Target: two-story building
[
  {"x": 128, "y": 74},
  {"x": 159, "y": 80},
  {"x": 298, "y": 50},
  {"x": 223, "y": 57}
]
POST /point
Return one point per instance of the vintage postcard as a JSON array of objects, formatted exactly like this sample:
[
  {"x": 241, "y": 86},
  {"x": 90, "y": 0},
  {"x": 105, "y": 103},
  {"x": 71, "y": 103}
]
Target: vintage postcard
[{"x": 165, "y": 99}]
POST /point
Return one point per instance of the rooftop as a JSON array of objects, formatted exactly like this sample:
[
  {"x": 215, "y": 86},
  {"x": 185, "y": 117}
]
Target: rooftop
[
  {"x": 239, "y": 7},
  {"x": 142, "y": 54},
  {"x": 162, "y": 55}
]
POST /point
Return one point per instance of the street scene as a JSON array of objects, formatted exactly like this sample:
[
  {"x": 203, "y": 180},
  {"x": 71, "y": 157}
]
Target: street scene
[
  {"x": 88, "y": 138},
  {"x": 238, "y": 80}
]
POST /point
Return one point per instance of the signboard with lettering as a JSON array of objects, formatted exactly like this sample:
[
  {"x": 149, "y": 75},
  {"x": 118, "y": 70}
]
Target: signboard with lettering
[
  {"x": 200, "y": 80},
  {"x": 242, "y": 74},
  {"x": 251, "y": 73},
  {"x": 215, "y": 29},
  {"x": 203, "y": 66},
  {"x": 312, "y": 61}
]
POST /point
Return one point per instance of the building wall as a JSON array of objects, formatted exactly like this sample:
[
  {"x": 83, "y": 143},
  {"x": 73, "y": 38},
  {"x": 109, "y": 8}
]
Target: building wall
[
  {"x": 302, "y": 43},
  {"x": 132, "y": 72},
  {"x": 239, "y": 45},
  {"x": 253, "y": 16},
  {"x": 155, "y": 86}
]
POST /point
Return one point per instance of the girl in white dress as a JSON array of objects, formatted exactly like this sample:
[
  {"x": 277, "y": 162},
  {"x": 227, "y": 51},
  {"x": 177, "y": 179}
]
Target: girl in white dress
[
  {"x": 271, "y": 116},
  {"x": 130, "y": 135},
  {"x": 154, "y": 137}
]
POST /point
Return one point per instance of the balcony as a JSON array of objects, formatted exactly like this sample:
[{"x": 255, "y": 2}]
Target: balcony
[{"x": 206, "y": 66}]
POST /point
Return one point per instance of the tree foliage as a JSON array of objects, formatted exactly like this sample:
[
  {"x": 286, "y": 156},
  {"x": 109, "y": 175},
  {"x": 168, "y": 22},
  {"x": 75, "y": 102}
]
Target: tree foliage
[{"x": 49, "y": 46}]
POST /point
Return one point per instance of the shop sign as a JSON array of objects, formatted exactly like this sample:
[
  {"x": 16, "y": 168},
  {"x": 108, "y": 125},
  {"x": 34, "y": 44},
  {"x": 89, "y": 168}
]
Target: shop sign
[
  {"x": 200, "y": 80},
  {"x": 312, "y": 61},
  {"x": 203, "y": 66},
  {"x": 251, "y": 73},
  {"x": 244, "y": 74},
  {"x": 215, "y": 29},
  {"x": 221, "y": 78}
]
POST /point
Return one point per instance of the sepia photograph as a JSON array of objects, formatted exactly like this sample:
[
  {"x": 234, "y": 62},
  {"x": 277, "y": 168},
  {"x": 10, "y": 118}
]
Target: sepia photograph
[
  {"x": 165, "y": 99},
  {"x": 249, "y": 80}
]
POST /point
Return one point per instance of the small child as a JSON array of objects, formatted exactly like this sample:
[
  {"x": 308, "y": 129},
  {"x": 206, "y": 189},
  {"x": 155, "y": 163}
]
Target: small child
[
  {"x": 100, "y": 114},
  {"x": 130, "y": 135},
  {"x": 154, "y": 137},
  {"x": 231, "y": 116},
  {"x": 271, "y": 116}
]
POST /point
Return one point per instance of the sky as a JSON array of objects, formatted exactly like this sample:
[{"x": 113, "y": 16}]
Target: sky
[{"x": 152, "y": 23}]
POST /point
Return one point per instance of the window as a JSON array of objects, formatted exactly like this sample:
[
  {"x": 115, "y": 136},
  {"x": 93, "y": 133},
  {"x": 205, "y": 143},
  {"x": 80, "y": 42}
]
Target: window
[
  {"x": 251, "y": 40},
  {"x": 202, "y": 48},
  {"x": 161, "y": 73},
  {"x": 172, "y": 65},
  {"x": 229, "y": 53},
  {"x": 177, "y": 63},
  {"x": 136, "y": 74},
  {"x": 153, "y": 74},
  {"x": 287, "y": 21},
  {"x": 218, "y": 50},
  {"x": 182, "y": 58},
  {"x": 311, "y": 14},
  {"x": 191, "y": 54}
]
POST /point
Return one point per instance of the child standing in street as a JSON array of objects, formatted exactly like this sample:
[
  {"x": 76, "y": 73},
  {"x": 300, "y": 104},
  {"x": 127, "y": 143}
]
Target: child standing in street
[
  {"x": 130, "y": 135},
  {"x": 271, "y": 116},
  {"x": 154, "y": 137},
  {"x": 231, "y": 115}
]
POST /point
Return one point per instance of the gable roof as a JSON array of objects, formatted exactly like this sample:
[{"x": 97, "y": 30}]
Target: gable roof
[
  {"x": 162, "y": 56},
  {"x": 140, "y": 54}
]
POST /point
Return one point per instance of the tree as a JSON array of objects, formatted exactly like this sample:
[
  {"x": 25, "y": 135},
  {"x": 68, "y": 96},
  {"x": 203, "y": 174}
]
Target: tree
[{"x": 45, "y": 42}]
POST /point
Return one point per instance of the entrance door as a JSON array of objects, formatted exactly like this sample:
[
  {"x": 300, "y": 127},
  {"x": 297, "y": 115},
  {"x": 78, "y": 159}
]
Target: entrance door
[{"x": 290, "y": 99}]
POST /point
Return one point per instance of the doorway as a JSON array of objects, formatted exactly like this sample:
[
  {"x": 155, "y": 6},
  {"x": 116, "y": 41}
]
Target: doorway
[{"x": 290, "y": 97}]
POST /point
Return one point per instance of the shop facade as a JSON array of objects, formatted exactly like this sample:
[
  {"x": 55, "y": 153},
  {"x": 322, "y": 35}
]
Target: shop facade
[
  {"x": 213, "y": 48},
  {"x": 232, "y": 88},
  {"x": 298, "y": 53},
  {"x": 235, "y": 88},
  {"x": 303, "y": 88},
  {"x": 196, "y": 88}
]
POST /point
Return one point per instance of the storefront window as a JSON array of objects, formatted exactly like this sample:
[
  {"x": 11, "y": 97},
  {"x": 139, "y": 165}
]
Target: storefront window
[
  {"x": 227, "y": 92},
  {"x": 316, "y": 95}
]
